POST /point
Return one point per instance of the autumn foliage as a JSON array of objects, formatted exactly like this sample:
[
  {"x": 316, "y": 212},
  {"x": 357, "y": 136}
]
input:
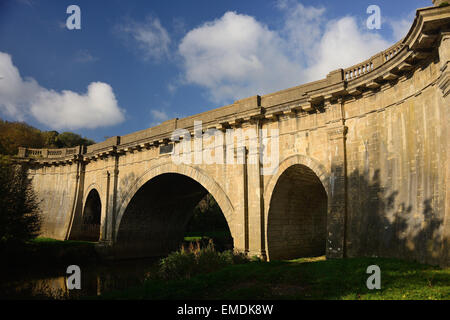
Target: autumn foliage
[{"x": 19, "y": 134}]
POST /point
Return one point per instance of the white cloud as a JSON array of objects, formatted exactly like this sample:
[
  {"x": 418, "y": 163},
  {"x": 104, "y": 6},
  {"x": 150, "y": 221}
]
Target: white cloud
[
  {"x": 342, "y": 45},
  {"x": 237, "y": 56},
  {"x": 151, "y": 37},
  {"x": 15, "y": 92},
  {"x": 303, "y": 26},
  {"x": 68, "y": 109},
  {"x": 21, "y": 98},
  {"x": 172, "y": 87},
  {"x": 400, "y": 27},
  {"x": 84, "y": 56},
  {"x": 26, "y": 2},
  {"x": 159, "y": 115}
]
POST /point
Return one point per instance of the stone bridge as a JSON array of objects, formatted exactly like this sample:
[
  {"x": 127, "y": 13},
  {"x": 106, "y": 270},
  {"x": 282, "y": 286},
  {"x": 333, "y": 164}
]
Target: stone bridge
[{"x": 363, "y": 167}]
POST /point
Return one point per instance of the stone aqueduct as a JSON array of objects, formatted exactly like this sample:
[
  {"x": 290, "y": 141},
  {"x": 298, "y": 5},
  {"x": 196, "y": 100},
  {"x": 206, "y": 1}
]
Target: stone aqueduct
[{"x": 364, "y": 167}]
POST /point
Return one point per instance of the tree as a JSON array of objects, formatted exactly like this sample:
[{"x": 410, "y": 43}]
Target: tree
[
  {"x": 51, "y": 139},
  {"x": 70, "y": 139},
  {"x": 20, "y": 218},
  {"x": 19, "y": 134}
]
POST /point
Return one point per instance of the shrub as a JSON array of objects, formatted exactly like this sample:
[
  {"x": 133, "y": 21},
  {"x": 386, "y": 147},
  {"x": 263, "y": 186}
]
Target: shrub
[
  {"x": 195, "y": 259},
  {"x": 208, "y": 259},
  {"x": 177, "y": 265},
  {"x": 239, "y": 257}
]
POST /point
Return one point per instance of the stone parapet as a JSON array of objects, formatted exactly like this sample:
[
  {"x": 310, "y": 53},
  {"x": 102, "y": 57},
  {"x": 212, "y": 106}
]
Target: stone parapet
[{"x": 49, "y": 154}]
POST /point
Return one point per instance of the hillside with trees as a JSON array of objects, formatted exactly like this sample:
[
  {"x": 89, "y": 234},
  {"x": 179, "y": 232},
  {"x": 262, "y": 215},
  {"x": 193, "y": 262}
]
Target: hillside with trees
[{"x": 19, "y": 134}]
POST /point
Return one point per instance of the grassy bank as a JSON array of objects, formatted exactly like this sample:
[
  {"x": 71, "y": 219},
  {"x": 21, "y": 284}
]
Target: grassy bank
[
  {"x": 43, "y": 254},
  {"x": 314, "y": 278}
]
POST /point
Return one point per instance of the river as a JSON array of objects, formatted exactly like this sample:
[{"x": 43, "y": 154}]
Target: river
[{"x": 95, "y": 280}]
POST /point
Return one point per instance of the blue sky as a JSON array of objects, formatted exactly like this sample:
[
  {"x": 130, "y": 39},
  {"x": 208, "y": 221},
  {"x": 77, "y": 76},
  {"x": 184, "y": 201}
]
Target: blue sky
[{"x": 137, "y": 63}]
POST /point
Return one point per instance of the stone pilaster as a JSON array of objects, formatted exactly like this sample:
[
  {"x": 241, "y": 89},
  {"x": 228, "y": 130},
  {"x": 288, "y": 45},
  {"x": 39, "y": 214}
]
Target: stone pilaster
[
  {"x": 255, "y": 197},
  {"x": 106, "y": 226},
  {"x": 241, "y": 220},
  {"x": 337, "y": 203},
  {"x": 77, "y": 206},
  {"x": 444, "y": 86}
]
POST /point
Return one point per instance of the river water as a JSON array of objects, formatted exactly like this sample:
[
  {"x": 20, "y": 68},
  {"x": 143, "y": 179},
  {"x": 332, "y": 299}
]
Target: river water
[{"x": 95, "y": 280}]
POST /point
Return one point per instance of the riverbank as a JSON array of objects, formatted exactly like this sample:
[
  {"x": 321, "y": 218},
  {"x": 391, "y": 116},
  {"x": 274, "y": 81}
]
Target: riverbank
[
  {"x": 314, "y": 278},
  {"x": 46, "y": 255},
  {"x": 307, "y": 278},
  {"x": 37, "y": 270}
]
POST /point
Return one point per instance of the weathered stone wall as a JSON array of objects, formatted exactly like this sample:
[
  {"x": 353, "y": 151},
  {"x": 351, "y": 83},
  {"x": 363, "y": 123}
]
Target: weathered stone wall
[
  {"x": 397, "y": 163},
  {"x": 55, "y": 187}
]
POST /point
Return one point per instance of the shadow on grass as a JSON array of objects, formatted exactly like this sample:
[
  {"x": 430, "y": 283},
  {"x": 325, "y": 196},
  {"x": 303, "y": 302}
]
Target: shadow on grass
[{"x": 303, "y": 279}]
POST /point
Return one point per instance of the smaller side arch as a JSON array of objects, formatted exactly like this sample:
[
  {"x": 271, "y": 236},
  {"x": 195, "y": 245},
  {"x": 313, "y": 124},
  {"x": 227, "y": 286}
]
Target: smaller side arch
[
  {"x": 321, "y": 172},
  {"x": 87, "y": 223},
  {"x": 296, "y": 205},
  {"x": 87, "y": 190}
]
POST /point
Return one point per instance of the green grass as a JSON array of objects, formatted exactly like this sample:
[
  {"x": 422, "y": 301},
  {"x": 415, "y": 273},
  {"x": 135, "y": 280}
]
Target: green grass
[
  {"x": 314, "y": 278},
  {"x": 193, "y": 236},
  {"x": 46, "y": 242}
]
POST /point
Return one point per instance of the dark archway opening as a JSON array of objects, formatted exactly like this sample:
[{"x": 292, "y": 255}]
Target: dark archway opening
[
  {"x": 88, "y": 227},
  {"x": 162, "y": 213},
  {"x": 297, "y": 220},
  {"x": 208, "y": 222}
]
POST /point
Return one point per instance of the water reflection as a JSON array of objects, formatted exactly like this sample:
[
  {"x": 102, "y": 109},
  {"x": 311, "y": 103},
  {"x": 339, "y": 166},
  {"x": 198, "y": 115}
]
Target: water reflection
[{"x": 95, "y": 280}]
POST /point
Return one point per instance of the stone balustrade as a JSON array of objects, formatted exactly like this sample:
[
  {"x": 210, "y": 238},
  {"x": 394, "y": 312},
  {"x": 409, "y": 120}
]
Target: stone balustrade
[
  {"x": 359, "y": 70},
  {"x": 49, "y": 153},
  {"x": 392, "y": 51}
]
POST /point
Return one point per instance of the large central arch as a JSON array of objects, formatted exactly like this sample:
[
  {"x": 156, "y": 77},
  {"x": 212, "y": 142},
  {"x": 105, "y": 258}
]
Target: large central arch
[{"x": 170, "y": 192}]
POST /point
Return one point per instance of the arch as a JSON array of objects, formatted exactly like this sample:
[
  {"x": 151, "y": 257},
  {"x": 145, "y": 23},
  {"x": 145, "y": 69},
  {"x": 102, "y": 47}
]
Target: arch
[
  {"x": 92, "y": 186},
  {"x": 88, "y": 222},
  {"x": 93, "y": 202},
  {"x": 295, "y": 224},
  {"x": 194, "y": 173},
  {"x": 321, "y": 172}
]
